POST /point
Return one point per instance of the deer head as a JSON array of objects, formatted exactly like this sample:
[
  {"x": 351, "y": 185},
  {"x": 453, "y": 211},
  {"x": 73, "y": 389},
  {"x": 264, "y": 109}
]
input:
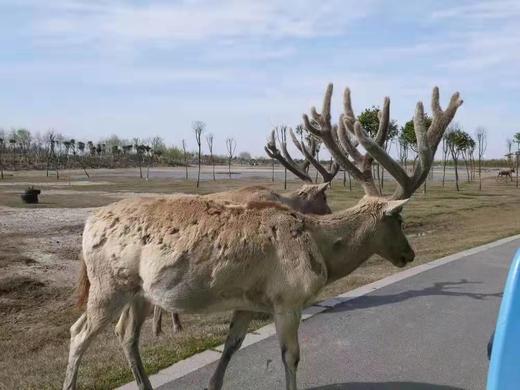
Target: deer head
[
  {"x": 342, "y": 140},
  {"x": 312, "y": 199}
]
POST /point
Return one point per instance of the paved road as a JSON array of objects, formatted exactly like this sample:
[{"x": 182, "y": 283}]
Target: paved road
[{"x": 428, "y": 331}]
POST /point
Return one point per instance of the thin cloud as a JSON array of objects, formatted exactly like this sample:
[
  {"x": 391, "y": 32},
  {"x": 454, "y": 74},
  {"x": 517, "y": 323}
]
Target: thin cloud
[{"x": 186, "y": 21}]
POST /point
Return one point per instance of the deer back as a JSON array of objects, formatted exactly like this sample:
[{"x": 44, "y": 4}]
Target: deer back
[{"x": 198, "y": 254}]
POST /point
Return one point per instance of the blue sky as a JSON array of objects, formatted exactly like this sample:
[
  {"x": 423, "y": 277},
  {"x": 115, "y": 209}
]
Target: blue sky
[{"x": 91, "y": 68}]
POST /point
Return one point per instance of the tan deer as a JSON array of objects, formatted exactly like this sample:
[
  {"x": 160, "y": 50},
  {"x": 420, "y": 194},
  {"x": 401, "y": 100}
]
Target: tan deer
[
  {"x": 308, "y": 199},
  {"x": 196, "y": 255}
]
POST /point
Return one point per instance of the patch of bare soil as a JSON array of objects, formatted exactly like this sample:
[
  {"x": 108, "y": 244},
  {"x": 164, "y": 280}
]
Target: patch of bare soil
[
  {"x": 39, "y": 264},
  {"x": 38, "y": 268}
]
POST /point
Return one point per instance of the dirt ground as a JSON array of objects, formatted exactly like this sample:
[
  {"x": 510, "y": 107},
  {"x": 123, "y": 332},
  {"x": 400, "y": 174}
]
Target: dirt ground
[{"x": 39, "y": 246}]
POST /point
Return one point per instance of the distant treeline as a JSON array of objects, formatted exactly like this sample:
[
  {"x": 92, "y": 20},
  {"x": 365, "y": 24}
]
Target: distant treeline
[{"x": 21, "y": 150}]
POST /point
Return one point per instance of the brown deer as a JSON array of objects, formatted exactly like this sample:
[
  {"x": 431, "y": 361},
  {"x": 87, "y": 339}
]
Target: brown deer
[
  {"x": 308, "y": 199},
  {"x": 506, "y": 173},
  {"x": 196, "y": 255}
]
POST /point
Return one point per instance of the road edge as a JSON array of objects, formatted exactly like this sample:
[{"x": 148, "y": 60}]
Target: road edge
[{"x": 201, "y": 359}]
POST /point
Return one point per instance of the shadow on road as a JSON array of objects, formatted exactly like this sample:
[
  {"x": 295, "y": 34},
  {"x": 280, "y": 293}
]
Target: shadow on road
[
  {"x": 439, "y": 288},
  {"x": 385, "y": 386}
]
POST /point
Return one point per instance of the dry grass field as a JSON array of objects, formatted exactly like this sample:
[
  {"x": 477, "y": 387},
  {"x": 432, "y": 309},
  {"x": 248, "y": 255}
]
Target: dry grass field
[{"x": 38, "y": 266}]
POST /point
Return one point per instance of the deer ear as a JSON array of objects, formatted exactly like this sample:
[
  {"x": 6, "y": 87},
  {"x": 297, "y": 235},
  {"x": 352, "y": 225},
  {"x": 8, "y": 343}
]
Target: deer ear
[
  {"x": 394, "y": 207},
  {"x": 323, "y": 186}
]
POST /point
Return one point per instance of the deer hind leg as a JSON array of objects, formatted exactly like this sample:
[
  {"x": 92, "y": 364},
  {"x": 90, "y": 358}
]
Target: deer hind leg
[
  {"x": 237, "y": 332},
  {"x": 128, "y": 330},
  {"x": 98, "y": 314},
  {"x": 176, "y": 323},
  {"x": 157, "y": 321},
  {"x": 287, "y": 331}
]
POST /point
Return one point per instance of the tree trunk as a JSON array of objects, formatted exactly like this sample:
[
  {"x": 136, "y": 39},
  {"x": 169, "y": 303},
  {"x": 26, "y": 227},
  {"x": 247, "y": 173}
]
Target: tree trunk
[
  {"x": 272, "y": 177},
  {"x": 479, "y": 174},
  {"x": 466, "y": 165},
  {"x": 198, "y": 172},
  {"x": 213, "y": 166},
  {"x": 444, "y": 170},
  {"x": 456, "y": 174},
  {"x": 349, "y": 182},
  {"x": 285, "y": 179},
  {"x": 229, "y": 167}
]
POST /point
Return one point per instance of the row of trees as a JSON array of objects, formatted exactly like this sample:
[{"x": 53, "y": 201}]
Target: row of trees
[{"x": 19, "y": 149}]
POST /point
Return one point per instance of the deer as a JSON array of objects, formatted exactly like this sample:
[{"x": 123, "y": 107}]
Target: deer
[
  {"x": 190, "y": 254},
  {"x": 506, "y": 173},
  {"x": 308, "y": 199}
]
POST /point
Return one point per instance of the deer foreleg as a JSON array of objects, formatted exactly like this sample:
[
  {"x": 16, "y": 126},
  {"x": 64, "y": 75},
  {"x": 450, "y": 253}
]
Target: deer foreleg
[{"x": 287, "y": 331}]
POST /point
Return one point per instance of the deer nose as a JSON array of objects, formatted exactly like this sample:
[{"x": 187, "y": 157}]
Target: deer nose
[{"x": 410, "y": 255}]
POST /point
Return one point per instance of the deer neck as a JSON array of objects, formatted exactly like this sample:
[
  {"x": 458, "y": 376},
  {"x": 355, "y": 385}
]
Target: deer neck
[
  {"x": 293, "y": 201},
  {"x": 344, "y": 239}
]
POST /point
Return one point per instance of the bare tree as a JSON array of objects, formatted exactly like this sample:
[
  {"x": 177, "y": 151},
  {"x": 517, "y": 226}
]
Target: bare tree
[
  {"x": 481, "y": 135},
  {"x": 185, "y": 152},
  {"x": 198, "y": 127},
  {"x": 209, "y": 141},
  {"x": 51, "y": 153},
  {"x": 231, "y": 146}
]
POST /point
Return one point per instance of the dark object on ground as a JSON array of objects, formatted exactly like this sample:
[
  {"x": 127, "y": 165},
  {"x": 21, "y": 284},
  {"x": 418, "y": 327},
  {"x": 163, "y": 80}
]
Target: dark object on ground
[
  {"x": 490, "y": 345},
  {"x": 31, "y": 195}
]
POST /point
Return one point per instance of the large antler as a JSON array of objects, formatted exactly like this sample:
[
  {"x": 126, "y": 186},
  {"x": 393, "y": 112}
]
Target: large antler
[
  {"x": 341, "y": 144},
  {"x": 327, "y": 174},
  {"x": 285, "y": 158},
  {"x": 427, "y": 142},
  {"x": 309, "y": 152}
]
